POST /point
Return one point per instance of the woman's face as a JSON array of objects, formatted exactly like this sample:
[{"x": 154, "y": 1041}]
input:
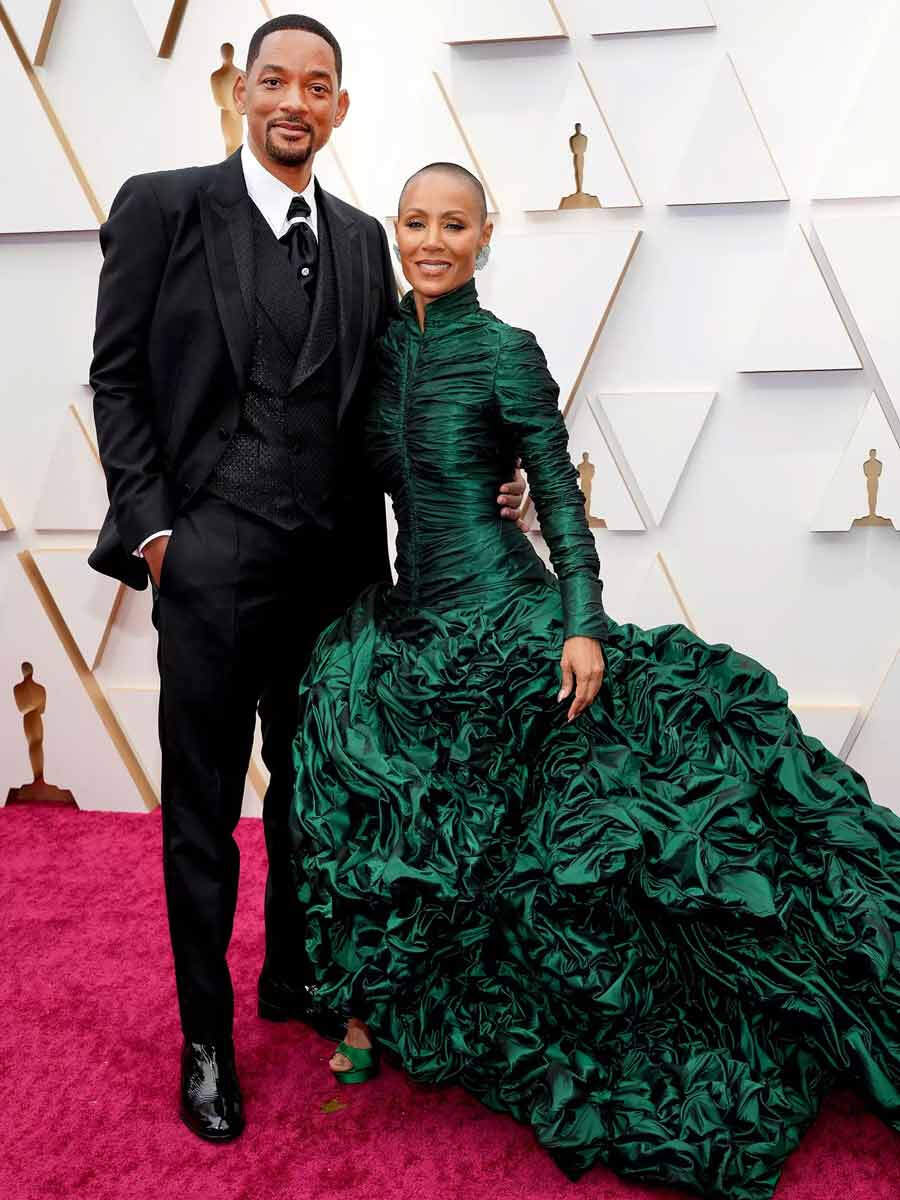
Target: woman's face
[{"x": 439, "y": 232}]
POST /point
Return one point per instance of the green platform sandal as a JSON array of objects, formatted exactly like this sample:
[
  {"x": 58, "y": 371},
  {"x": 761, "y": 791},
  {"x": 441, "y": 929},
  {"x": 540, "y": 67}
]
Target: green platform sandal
[{"x": 363, "y": 1064}]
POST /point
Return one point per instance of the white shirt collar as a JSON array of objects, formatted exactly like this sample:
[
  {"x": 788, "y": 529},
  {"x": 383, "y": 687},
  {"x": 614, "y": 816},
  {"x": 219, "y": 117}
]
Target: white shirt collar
[{"x": 272, "y": 197}]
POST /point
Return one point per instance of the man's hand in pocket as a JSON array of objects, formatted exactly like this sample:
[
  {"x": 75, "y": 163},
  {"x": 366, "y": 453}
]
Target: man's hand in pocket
[{"x": 153, "y": 554}]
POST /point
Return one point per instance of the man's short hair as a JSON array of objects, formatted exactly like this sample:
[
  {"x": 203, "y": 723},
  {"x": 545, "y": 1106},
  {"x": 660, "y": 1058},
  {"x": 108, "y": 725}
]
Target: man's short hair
[{"x": 305, "y": 25}]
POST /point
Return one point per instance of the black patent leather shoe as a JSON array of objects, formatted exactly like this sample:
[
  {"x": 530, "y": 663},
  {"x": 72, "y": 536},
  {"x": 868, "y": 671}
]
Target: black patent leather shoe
[
  {"x": 211, "y": 1104},
  {"x": 279, "y": 1001}
]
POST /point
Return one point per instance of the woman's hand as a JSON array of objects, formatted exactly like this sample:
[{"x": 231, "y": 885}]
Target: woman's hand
[
  {"x": 582, "y": 664},
  {"x": 510, "y": 499}
]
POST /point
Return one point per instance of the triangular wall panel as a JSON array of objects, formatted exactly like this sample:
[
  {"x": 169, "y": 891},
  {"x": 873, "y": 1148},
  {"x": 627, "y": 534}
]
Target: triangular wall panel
[
  {"x": 800, "y": 329},
  {"x": 73, "y": 496},
  {"x": 523, "y": 137},
  {"x": 657, "y": 432},
  {"x": 580, "y": 275},
  {"x": 468, "y": 21},
  {"x": 846, "y": 497},
  {"x": 162, "y": 21},
  {"x": 657, "y": 600},
  {"x": 727, "y": 160},
  {"x": 85, "y": 598},
  {"x": 129, "y": 653},
  {"x": 33, "y": 21},
  {"x": 646, "y": 16},
  {"x": 830, "y": 723},
  {"x": 864, "y": 253},
  {"x": 83, "y": 748},
  {"x": 864, "y": 159},
  {"x": 876, "y": 751},
  {"x": 39, "y": 191},
  {"x": 610, "y": 500}
]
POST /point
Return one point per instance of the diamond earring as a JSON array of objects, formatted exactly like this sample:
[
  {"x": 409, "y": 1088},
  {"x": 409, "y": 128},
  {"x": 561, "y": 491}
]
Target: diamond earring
[{"x": 482, "y": 257}]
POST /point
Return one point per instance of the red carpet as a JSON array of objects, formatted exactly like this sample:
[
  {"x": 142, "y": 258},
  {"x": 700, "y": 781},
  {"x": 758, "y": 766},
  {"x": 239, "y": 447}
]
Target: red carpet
[{"x": 89, "y": 1051}]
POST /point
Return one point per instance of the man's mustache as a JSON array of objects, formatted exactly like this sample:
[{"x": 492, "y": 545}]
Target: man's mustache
[{"x": 301, "y": 125}]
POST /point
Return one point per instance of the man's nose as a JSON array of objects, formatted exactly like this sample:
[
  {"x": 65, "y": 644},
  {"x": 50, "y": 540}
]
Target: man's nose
[{"x": 292, "y": 100}]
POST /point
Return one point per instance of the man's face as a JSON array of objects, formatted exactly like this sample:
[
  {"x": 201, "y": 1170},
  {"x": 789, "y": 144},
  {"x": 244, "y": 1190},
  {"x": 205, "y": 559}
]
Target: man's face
[{"x": 291, "y": 97}]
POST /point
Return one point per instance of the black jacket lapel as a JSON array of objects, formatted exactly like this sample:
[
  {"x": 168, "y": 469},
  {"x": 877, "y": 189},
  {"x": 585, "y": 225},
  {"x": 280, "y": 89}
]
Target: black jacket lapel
[
  {"x": 228, "y": 241},
  {"x": 351, "y": 279}
]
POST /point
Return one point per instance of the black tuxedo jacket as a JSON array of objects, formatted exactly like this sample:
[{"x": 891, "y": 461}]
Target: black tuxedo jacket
[{"x": 174, "y": 336}]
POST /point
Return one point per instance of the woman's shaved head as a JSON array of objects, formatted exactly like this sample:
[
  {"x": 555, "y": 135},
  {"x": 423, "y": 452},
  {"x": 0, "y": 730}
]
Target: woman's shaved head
[{"x": 455, "y": 171}]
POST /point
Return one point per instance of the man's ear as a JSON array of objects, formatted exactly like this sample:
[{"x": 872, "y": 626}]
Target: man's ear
[
  {"x": 342, "y": 105},
  {"x": 239, "y": 91}
]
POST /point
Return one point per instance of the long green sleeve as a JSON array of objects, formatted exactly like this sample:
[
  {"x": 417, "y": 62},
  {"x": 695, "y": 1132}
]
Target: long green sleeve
[{"x": 528, "y": 401}]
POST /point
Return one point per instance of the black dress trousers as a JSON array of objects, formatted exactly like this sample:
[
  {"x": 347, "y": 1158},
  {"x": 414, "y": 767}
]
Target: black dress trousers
[{"x": 239, "y": 606}]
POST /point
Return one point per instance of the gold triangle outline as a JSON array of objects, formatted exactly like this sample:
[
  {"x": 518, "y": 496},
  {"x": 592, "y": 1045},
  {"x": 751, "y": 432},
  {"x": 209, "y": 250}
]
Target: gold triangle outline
[
  {"x": 40, "y": 55},
  {"x": 492, "y": 199},
  {"x": 629, "y": 475},
  {"x": 710, "y": 28},
  {"x": 526, "y": 505},
  {"x": 88, "y": 681},
  {"x": 50, "y": 113},
  {"x": 854, "y": 331},
  {"x": 172, "y": 30},
  {"x": 865, "y": 710},
  {"x": 615, "y": 145},
  {"x": 540, "y": 37},
  {"x": 622, "y": 465},
  {"x": 114, "y": 607},
  {"x": 676, "y": 592},
  {"x": 837, "y": 309},
  {"x": 785, "y": 199},
  {"x": 7, "y": 525}
]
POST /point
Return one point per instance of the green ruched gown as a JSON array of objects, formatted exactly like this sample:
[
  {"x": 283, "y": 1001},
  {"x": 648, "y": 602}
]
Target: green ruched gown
[{"x": 658, "y": 933}]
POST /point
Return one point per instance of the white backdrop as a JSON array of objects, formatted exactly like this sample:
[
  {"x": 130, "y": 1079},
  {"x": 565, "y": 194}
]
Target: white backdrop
[{"x": 724, "y": 328}]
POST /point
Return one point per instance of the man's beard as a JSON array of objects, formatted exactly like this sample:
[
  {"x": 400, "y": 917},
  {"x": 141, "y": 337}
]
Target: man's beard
[{"x": 288, "y": 155}]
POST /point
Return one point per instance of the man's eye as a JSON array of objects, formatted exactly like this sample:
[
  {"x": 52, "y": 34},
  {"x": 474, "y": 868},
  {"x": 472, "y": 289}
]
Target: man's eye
[
  {"x": 266, "y": 82},
  {"x": 320, "y": 90}
]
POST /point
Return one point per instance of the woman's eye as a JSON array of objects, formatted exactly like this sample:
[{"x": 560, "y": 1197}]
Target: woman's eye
[
  {"x": 456, "y": 227},
  {"x": 413, "y": 224}
]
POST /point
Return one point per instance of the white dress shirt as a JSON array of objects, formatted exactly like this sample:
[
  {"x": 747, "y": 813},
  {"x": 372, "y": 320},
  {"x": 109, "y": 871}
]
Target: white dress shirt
[{"x": 273, "y": 199}]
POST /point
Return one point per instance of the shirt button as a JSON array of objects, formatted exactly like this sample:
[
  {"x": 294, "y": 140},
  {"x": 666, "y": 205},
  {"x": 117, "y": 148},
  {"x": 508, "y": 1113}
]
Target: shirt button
[
  {"x": 223, "y": 434},
  {"x": 304, "y": 271}
]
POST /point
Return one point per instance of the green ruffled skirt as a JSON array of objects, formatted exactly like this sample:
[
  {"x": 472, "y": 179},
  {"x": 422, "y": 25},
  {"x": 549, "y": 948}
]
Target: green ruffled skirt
[{"x": 657, "y": 934}]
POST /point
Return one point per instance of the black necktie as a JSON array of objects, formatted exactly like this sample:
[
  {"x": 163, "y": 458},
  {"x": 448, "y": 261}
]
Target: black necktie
[{"x": 302, "y": 247}]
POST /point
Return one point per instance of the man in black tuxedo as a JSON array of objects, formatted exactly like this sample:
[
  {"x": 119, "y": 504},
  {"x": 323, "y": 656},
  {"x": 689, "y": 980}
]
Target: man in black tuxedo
[{"x": 237, "y": 307}]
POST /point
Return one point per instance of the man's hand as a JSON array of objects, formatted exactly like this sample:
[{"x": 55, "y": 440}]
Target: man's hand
[
  {"x": 510, "y": 499},
  {"x": 583, "y": 664},
  {"x": 153, "y": 554}
]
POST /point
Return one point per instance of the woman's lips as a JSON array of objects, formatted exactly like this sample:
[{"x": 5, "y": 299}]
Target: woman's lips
[{"x": 433, "y": 266}]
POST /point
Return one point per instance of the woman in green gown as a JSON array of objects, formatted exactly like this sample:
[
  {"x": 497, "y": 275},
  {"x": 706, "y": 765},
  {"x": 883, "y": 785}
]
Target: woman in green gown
[{"x": 656, "y": 927}]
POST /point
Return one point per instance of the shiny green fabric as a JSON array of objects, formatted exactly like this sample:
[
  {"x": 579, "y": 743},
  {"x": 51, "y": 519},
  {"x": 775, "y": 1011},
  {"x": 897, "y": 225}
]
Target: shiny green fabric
[{"x": 657, "y": 934}]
